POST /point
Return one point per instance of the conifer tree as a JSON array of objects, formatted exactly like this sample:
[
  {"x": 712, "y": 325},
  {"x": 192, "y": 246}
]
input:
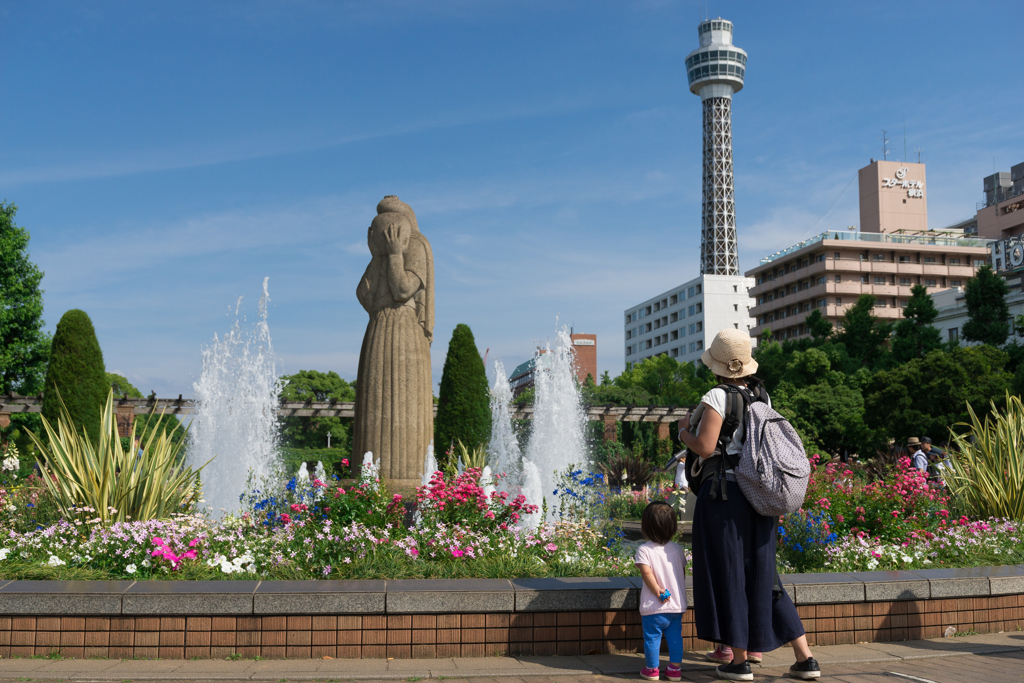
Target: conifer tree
[
  {"x": 463, "y": 407},
  {"x": 987, "y": 312},
  {"x": 915, "y": 335},
  {"x": 23, "y": 343},
  {"x": 863, "y": 333},
  {"x": 76, "y": 374}
]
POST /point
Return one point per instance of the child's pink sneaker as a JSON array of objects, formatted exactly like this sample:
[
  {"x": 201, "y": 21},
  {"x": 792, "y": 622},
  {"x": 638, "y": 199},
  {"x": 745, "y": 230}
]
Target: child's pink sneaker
[
  {"x": 721, "y": 654},
  {"x": 754, "y": 657},
  {"x": 673, "y": 673},
  {"x": 650, "y": 674}
]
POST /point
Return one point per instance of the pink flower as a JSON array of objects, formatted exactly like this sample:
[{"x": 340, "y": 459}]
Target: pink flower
[
  {"x": 551, "y": 547},
  {"x": 344, "y": 461},
  {"x": 456, "y": 552}
]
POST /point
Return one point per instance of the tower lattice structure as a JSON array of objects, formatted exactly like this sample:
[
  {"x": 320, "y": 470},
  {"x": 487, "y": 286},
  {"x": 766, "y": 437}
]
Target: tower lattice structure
[{"x": 715, "y": 71}]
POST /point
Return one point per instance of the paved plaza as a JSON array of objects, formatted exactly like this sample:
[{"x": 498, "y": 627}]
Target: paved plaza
[{"x": 982, "y": 658}]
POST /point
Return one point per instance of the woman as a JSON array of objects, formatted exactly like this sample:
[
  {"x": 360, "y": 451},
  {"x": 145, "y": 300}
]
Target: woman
[
  {"x": 738, "y": 601},
  {"x": 394, "y": 401}
]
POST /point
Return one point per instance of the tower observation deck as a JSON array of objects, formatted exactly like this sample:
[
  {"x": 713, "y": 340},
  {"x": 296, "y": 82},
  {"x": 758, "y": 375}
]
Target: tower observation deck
[{"x": 715, "y": 71}]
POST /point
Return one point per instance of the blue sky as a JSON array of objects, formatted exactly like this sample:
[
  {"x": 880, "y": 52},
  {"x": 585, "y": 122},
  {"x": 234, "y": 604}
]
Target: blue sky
[{"x": 167, "y": 157}]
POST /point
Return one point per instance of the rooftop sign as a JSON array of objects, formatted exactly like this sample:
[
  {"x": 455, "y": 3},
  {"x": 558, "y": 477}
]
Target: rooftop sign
[{"x": 914, "y": 188}]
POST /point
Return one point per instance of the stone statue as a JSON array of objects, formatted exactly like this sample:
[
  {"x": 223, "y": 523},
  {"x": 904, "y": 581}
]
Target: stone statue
[{"x": 394, "y": 398}]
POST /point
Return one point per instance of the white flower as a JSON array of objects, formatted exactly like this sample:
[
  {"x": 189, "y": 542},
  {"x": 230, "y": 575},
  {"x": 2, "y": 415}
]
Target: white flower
[
  {"x": 4, "y": 552},
  {"x": 145, "y": 563},
  {"x": 12, "y": 507},
  {"x": 10, "y": 464},
  {"x": 55, "y": 561},
  {"x": 130, "y": 568}
]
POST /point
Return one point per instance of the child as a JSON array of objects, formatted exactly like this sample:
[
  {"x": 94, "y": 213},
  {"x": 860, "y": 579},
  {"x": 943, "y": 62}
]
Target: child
[{"x": 663, "y": 597}]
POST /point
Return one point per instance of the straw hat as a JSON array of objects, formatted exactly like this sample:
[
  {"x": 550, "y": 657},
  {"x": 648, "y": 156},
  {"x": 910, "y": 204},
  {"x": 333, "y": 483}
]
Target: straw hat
[
  {"x": 913, "y": 441},
  {"x": 729, "y": 354}
]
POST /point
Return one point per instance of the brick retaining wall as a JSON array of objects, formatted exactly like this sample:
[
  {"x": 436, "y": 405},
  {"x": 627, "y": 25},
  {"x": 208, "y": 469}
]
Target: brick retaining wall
[{"x": 405, "y": 619}]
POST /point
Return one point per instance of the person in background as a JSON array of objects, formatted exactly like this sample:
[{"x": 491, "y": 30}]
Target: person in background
[
  {"x": 919, "y": 457},
  {"x": 663, "y": 598}
]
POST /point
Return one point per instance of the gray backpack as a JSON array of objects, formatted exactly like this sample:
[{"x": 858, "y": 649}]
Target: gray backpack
[{"x": 773, "y": 470}]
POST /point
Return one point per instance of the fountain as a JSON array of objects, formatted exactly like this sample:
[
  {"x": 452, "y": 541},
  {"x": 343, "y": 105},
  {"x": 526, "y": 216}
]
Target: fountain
[
  {"x": 558, "y": 435},
  {"x": 235, "y": 420}
]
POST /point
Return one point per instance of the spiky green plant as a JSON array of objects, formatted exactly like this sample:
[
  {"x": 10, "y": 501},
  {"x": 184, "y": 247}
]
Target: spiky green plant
[
  {"x": 985, "y": 471},
  {"x": 475, "y": 457},
  {"x": 104, "y": 480}
]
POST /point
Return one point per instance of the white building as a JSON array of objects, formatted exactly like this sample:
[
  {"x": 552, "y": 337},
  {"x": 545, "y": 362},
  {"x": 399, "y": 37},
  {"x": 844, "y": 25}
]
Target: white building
[{"x": 682, "y": 322}]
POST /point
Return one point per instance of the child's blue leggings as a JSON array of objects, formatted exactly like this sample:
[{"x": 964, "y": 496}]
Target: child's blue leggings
[{"x": 669, "y": 625}]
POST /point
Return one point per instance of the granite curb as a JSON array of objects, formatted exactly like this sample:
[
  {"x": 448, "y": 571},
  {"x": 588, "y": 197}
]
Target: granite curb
[{"x": 422, "y": 596}]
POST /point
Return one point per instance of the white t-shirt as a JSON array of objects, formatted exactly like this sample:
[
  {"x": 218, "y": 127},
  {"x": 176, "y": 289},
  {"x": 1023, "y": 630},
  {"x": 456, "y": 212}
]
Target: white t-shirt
[
  {"x": 667, "y": 562},
  {"x": 716, "y": 398}
]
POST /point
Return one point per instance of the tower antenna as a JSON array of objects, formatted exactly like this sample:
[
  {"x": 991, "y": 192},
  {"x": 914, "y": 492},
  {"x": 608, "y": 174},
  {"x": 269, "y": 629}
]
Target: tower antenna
[
  {"x": 904, "y": 138},
  {"x": 885, "y": 145}
]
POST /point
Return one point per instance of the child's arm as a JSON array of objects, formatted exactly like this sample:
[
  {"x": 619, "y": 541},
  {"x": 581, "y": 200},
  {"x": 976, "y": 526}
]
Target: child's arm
[{"x": 647, "y": 574}]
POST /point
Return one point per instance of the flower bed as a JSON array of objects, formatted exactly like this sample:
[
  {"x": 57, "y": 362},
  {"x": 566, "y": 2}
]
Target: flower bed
[
  {"x": 317, "y": 530},
  {"x": 903, "y": 521}
]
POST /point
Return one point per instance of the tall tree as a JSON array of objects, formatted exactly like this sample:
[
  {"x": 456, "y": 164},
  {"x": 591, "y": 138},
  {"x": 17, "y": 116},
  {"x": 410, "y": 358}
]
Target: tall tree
[
  {"x": 915, "y": 336},
  {"x": 819, "y": 325},
  {"x": 863, "y": 334},
  {"x": 463, "y": 406},
  {"x": 311, "y": 432},
  {"x": 76, "y": 374},
  {"x": 24, "y": 347},
  {"x": 987, "y": 313}
]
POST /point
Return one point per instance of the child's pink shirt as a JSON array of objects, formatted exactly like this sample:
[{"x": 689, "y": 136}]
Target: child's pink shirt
[{"x": 667, "y": 562}]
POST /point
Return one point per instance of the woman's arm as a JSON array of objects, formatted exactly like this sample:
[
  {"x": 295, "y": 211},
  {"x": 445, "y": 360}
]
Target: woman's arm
[
  {"x": 710, "y": 427},
  {"x": 404, "y": 284}
]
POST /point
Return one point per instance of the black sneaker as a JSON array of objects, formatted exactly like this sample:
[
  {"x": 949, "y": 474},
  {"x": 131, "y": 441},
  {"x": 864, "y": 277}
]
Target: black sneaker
[
  {"x": 806, "y": 670},
  {"x": 735, "y": 672}
]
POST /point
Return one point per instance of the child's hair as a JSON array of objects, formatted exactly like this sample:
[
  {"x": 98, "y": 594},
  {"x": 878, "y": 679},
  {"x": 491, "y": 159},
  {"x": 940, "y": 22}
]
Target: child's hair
[{"x": 658, "y": 523}]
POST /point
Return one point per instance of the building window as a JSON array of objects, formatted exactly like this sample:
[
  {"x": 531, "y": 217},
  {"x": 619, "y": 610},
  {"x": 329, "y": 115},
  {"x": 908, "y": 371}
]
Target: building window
[
  {"x": 673, "y": 353},
  {"x": 698, "y": 289},
  {"x": 629, "y": 350},
  {"x": 929, "y": 283},
  {"x": 881, "y": 303},
  {"x": 700, "y": 345},
  {"x": 693, "y": 328},
  {"x": 839, "y": 302},
  {"x": 664, "y": 303},
  {"x": 674, "y": 317},
  {"x": 863, "y": 279},
  {"x": 821, "y": 258},
  {"x": 647, "y": 327},
  {"x": 648, "y": 343},
  {"x": 682, "y": 313},
  {"x": 954, "y": 334},
  {"x": 904, "y": 259},
  {"x": 674, "y": 335},
  {"x": 954, "y": 262},
  {"x": 690, "y": 293},
  {"x": 929, "y": 259},
  {"x": 629, "y": 334},
  {"x": 904, "y": 282},
  {"x": 760, "y": 300},
  {"x": 657, "y": 324},
  {"x": 672, "y": 300},
  {"x": 821, "y": 280},
  {"x": 693, "y": 310},
  {"x": 821, "y": 303},
  {"x": 880, "y": 280},
  {"x": 736, "y": 307},
  {"x": 979, "y": 263},
  {"x": 657, "y": 306},
  {"x": 647, "y": 311},
  {"x": 878, "y": 257},
  {"x": 839, "y": 278},
  {"x": 700, "y": 307},
  {"x": 700, "y": 326},
  {"x": 837, "y": 256},
  {"x": 954, "y": 283},
  {"x": 693, "y": 346}
]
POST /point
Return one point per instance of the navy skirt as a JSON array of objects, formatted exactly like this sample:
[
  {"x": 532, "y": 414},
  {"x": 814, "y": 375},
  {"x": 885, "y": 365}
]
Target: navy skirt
[{"x": 737, "y": 600}]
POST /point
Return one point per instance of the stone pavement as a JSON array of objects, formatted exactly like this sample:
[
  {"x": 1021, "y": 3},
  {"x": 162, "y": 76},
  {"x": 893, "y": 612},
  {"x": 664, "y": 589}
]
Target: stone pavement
[{"x": 982, "y": 658}]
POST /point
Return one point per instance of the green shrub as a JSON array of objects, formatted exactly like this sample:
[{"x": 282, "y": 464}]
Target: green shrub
[
  {"x": 463, "y": 408},
  {"x": 330, "y": 457},
  {"x": 75, "y": 377}
]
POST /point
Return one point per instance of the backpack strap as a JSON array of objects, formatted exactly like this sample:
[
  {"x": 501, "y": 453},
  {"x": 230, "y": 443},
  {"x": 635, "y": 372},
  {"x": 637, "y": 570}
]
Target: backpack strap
[{"x": 736, "y": 403}]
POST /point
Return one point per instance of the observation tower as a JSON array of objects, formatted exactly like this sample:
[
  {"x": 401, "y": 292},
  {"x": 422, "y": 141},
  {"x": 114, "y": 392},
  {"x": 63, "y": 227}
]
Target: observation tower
[{"x": 715, "y": 71}]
